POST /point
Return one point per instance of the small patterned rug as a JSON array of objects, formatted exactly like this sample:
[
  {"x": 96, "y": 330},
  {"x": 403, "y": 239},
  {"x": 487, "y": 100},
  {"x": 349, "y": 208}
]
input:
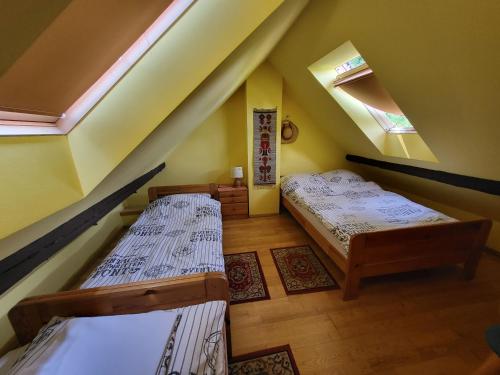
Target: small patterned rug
[
  {"x": 301, "y": 271},
  {"x": 273, "y": 361},
  {"x": 246, "y": 279}
]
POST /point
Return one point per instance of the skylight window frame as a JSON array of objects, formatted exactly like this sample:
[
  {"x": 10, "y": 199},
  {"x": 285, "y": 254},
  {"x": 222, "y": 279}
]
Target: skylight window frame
[
  {"x": 386, "y": 124},
  {"x": 14, "y": 122},
  {"x": 13, "y": 116}
]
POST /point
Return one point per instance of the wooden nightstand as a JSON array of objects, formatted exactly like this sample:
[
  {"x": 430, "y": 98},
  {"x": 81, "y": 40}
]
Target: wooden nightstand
[{"x": 234, "y": 201}]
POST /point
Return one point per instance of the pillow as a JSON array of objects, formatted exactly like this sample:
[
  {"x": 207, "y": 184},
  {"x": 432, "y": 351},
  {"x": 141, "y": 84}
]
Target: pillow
[
  {"x": 162, "y": 206},
  {"x": 342, "y": 176},
  {"x": 291, "y": 183},
  {"x": 120, "y": 344}
]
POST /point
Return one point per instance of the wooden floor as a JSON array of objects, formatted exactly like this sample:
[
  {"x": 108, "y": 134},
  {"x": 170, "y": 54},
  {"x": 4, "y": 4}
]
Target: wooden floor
[{"x": 426, "y": 322}]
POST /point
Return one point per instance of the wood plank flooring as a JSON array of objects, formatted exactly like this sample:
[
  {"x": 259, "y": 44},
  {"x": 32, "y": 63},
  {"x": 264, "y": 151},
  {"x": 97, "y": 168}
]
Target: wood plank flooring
[{"x": 426, "y": 322}]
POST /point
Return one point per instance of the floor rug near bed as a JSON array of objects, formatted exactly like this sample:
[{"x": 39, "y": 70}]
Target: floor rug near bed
[
  {"x": 278, "y": 360},
  {"x": 246, "y": 279},
  {"x": 301, "y": 271}
]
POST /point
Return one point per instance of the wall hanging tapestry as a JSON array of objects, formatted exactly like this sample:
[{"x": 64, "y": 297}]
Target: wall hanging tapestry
[{"x": 264, "y": 146}]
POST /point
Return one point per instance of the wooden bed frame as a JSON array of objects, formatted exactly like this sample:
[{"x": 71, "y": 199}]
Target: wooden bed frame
[
  {"x": 156, "y": 192},
  {"x": 29, "y": 315},
  {"x": 402, "y": 250}
]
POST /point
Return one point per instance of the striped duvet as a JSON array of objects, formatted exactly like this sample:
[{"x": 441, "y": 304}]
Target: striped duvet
[{"x": 176, "y": 235}]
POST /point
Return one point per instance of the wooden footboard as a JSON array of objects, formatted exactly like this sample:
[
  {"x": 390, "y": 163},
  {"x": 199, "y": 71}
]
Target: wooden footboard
[
  {"x": 408, "y": 249},
  {"x": 402, "y": 250},
  {"x": 29, "y": 315}
]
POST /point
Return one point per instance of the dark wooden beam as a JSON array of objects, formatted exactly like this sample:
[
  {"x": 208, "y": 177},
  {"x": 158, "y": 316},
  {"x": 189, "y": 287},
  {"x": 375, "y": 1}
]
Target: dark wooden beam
[
  {"x": 474, "y": 183},
  {"x": 19, "y": 264}
]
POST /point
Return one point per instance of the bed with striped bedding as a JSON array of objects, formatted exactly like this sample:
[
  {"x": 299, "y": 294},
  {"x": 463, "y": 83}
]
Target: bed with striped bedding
[
  {"x": 176, "y": 235},
  {"x": 196, "y": 336}
]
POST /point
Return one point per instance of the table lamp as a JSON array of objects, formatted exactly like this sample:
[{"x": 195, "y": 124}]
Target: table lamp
[{"x": 237, "y": 174}]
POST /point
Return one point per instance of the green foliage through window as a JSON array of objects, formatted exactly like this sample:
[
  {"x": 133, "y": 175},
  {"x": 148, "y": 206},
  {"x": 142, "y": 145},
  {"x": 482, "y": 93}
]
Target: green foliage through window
[
  {"x": 399, "y": 121},
  {"x": 350, "y": 64}
]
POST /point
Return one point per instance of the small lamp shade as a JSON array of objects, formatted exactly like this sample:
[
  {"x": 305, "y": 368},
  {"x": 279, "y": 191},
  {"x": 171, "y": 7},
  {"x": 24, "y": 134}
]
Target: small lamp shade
[{"x": 237, "y": 172}]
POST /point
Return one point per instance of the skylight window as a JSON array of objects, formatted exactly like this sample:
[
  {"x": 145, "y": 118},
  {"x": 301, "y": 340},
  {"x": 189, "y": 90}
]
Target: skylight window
[
  {"x": 391, "y": 122},
  {"x": 351, "y": 64},
  {"x": 76, "y": 59},
  {"x": 346, "y": 76},
  {"x": 357, "y": 79}
]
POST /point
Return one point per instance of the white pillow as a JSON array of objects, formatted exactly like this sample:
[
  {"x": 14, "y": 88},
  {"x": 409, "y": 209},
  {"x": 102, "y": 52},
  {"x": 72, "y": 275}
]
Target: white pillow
[
  {"x": 342, "y": 176},
  {"x": 294, "y": 182},
  {"x": 122, "y": 344}
]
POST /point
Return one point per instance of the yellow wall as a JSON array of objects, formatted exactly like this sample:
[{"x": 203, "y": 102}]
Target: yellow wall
[
  {"x": 54, "y": 274},
  {"x": 160, "y": 81},
  {"x": 37, "y": 178},
  {"x": 264, "y": 89},
  {"x": 210, "y": 151},
  {"x": 74, "y": 165},
  {"x": 441, "y": 76},
  {"x": 220, "y": 142},
  {"x": 314, "y": 150}
]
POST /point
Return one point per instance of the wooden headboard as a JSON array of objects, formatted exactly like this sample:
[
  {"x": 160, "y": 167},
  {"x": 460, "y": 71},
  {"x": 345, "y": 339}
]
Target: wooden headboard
[
  {"x": 30, "y": 314},
  {"x": 156, "y": 192}
]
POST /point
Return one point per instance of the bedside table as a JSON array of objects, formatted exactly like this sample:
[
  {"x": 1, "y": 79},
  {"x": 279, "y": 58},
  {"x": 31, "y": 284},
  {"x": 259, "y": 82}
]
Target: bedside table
[{"x": 234, "y": 201}]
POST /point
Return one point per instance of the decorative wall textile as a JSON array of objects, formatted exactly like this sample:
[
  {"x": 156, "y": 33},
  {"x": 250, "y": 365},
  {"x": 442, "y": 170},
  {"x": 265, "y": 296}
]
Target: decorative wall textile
[{"x": 264, "y": 146}]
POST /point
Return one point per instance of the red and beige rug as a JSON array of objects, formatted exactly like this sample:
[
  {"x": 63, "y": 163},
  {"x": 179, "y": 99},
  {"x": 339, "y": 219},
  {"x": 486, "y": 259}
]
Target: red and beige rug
[
  {"x": 278, "y": 360},
  {"x": 301, "y": 271},
  {"x": 246, "y": 279}
]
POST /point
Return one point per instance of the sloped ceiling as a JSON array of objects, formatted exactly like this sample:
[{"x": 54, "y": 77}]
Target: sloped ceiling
[
  {"x": 21, "y": 22},
  {"x": 438, "y": 59},
  {"x": 180, "y": 60},
  {"x": 71, "y": 53},
  {"x": 174, "y": 129}
]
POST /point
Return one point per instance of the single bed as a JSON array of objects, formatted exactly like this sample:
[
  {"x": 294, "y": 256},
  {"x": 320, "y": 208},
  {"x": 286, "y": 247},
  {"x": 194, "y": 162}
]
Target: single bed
[
  {"x": 368, "y": 231},
  {"x": 200, "y": 339},
  {"x": 178, "y": 235}
]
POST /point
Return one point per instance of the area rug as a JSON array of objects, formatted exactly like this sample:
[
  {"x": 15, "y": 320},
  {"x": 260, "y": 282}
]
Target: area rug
[
  {"x": 246, "y": 279},
  {"x": 301, "y": 271},
  {"x": 273, "y": 361}
]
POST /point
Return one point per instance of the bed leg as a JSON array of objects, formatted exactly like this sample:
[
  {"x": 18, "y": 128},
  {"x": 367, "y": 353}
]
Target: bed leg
[
  {"x": 351, "y": 286},
  {"x": 228, "y": 336},
  {"x": 470, "y": 266}
]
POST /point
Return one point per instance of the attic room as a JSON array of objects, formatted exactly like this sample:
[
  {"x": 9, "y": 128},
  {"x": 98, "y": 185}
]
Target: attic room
[{"x": 249, "y": 187}]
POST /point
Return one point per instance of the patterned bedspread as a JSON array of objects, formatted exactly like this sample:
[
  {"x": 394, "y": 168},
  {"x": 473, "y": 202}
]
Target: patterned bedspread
[
  {"x": 354, "y": 206},
  {"x": 176, "y": 235}
]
